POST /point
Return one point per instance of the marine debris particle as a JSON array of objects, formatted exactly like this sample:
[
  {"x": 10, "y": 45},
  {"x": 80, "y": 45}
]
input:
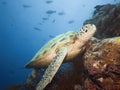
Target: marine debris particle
[
  {"x": 48, "y": 2},
  {"x": 38, "y": 29},
  {"x": 51, "y": 36},
  {"x": 26, "y": 6},
  {"x": 44, "y": 18},
  {"x": 71, "y": 21},
  {"x": 50, "y": 12},
  {"x": 61, "y": 13}
]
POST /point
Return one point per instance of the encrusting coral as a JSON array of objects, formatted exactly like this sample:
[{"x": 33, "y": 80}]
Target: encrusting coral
[{"x": 102, "y": 62}]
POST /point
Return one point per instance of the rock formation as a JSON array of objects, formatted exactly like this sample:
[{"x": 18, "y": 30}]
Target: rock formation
[
  {"x": 107, "y": 20},
  {"x": 102, "y": 62}
]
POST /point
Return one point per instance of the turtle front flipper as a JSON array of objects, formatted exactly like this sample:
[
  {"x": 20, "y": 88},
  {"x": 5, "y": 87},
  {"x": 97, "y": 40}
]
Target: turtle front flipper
[{"x": 52, "y": 69}]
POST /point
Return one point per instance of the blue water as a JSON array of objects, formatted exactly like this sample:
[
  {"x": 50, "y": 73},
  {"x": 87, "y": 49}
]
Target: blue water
[{"x": 26, "y": 25}]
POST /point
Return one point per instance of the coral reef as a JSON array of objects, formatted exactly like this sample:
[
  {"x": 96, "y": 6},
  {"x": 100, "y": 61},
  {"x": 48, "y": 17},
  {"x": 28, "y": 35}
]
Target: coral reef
[
  {"x": 102, "y": 59},
  {"x": 102, "y": 62},
  {"x": 107, "y": 20}
]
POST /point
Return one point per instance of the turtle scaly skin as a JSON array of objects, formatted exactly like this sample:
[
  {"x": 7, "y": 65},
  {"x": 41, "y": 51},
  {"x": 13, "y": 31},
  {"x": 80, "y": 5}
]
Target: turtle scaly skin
[
  {"x": 64, "y": 47},
  {"x": 52, "y": 68}
]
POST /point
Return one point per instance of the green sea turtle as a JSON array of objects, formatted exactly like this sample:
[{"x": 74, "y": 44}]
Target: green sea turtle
[{"x": 65, "y": 47}]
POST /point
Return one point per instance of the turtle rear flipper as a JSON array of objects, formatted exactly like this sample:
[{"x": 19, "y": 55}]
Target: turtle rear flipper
[
  {"x": 32, "y": 76},
  {"x": 52, "y": 69}
]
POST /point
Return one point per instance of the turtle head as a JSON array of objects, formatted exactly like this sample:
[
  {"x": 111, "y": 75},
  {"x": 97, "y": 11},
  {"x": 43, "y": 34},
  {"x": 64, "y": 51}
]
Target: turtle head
[{"x": 86, "y": 32}]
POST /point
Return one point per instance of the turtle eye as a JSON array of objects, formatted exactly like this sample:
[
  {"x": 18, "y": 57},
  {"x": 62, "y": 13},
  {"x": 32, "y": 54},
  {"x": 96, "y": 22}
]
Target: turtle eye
[{"x": 86, "y": 30}]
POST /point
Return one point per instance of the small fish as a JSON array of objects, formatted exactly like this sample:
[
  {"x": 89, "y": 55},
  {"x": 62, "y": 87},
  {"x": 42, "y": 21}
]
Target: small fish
[
  {"x": 61, "y": 13},
  {"x": 71, "y": 21},
  {"x": 83, "y": 5},
  {"x": 44, "y": 40},
  {"x": 53, "y": 21},
  {"x": 3, "y": 3},
  {"x": 26, "y": 6},
  {"x": 51, "y": 36},
  {"x": 38, "y": 29},
  {"x": 48, "y": 2},
  {"x": 40, "y": 23},
  {"x": 11, "y": 24},
  {"x": 50, "y": 11},
  {"x": 45, "y": 18}
]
